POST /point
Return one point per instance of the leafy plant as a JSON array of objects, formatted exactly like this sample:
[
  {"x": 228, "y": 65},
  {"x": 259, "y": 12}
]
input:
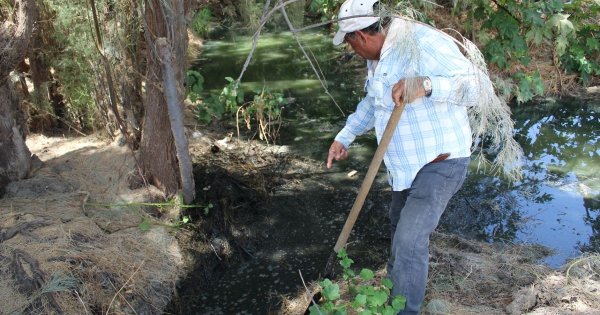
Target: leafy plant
[
  {"x": 367, "y": 297},
  {"x": 529, "y": 85},
  {"x": 509, "y": 28},
  {"x": 194, "y": 82},
  {"x": 264, "y": 110},
  {"x": 216, "y": 105},
  {"x": 582, "y": 53},
  {"x": 328, "y": 8},
  {"x": 201, "y": 22}
]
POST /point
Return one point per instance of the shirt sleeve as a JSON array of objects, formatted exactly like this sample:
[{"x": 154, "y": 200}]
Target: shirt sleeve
[
  {"x": 359, "y": 122},
  {"x": 454, "y": 79},
  {"x": 463, "y": 89}
]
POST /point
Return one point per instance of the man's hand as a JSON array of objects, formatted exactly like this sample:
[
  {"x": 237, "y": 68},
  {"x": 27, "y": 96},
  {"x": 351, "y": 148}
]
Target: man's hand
[
  {"x": 337, "y": 151},
  {"x": 408, "y": 90}
]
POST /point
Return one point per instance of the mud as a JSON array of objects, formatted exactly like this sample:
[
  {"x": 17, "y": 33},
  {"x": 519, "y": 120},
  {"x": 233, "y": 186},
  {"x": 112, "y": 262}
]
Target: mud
[{"x": 74, "y": 239}]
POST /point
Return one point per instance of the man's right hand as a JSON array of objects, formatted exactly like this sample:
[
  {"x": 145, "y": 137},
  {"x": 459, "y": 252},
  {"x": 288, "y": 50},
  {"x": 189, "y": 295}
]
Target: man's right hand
[{"x": 337, "y": 151}]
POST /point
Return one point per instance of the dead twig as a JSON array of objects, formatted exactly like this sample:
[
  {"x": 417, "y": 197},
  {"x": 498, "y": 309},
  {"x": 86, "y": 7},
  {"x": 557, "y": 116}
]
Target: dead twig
[
  {"x": 308, "y": 292},
  {"x": 122, "y": 287},
  {"x": 124, "y": 299},
  {"x": 81, "y": 301}
]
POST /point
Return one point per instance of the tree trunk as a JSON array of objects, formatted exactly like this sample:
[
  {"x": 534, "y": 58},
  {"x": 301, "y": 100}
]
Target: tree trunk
[
  {"x": 15, "y": 157},
  {"x": 176, "y": 118},
  {"x": 157, "y": 151}
]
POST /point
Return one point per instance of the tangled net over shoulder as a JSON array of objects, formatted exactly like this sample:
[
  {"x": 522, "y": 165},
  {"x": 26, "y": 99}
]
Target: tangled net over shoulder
[{"x": 496, "y": 151}]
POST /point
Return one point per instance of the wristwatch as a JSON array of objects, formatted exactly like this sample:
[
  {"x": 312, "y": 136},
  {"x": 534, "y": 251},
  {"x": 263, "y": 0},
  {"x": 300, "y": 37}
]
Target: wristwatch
[{"x": 427, "y": 86}]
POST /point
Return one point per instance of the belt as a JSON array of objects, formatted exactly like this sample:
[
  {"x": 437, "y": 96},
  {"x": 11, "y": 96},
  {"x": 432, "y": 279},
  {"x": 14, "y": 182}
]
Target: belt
[{"x": 441, "y": 157}]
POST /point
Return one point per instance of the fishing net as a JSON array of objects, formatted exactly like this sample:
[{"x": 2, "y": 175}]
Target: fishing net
[{"x": 492, "y": 127}]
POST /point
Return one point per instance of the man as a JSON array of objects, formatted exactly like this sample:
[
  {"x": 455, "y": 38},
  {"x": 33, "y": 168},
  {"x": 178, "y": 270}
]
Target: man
[{"x": 429, "y": 152}]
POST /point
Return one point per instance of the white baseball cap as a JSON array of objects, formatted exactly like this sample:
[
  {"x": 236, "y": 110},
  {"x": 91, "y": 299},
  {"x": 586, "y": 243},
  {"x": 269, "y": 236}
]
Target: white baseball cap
[{"x": 352, "y": 8}]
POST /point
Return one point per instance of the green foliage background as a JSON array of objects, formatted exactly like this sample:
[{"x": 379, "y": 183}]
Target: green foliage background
[
  {"x": 73, "y": 57},
  {"x": 509, "y": 32}
]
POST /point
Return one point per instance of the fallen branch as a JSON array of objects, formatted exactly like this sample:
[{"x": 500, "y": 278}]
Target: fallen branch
[
  {"x": 34, "y": 283},
  {"x": 20, "y": 227}
]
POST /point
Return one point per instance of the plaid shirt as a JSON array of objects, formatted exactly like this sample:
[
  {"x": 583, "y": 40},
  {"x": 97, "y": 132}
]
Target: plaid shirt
[{"x": 429, "y": 125}]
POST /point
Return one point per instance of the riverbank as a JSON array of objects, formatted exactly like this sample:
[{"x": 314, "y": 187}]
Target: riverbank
[{"x": 77, "y": 240}]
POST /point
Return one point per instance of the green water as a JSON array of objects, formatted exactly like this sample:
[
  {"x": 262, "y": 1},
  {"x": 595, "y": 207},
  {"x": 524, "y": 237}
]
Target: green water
[{"x": 556, "y": 204}]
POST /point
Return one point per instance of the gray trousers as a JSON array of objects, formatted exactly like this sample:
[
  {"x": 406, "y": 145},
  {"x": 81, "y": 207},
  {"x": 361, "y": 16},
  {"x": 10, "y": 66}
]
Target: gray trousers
[{"x": 414, "y": 214}]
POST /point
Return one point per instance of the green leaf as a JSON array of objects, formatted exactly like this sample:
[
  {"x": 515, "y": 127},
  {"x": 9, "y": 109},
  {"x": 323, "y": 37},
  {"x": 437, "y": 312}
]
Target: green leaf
[
  {"x": 533, "y": 16},
  {"x": 538, "y": 84},
  {"x": 399, "y": 303},
  {"x": 561, "y": 23},
  {"x": 387, "y": 283},
  {"x": 379, "y": 298},
  {"x": 561, "y": 45},
  {"x": 340, "y": 310},
  {"x": 144, "y": 226},
  {"x": 359, "y": 301},
  {"x": 349, "y": 274},
  {"x": 592, "y": 43},
  {"x": 346, "y": 262},
  {"x": 365, "y": 312},
  {"x": 367, "y": 290},
  {"x": 388, "y": 310},
  {"x": 328, "y": 307},
  {"x": 535, "y": 35},
  {"x": 331, "y": 291},
  {"x": 314, "y": 310},
  {"x": 366, "y": 274}
]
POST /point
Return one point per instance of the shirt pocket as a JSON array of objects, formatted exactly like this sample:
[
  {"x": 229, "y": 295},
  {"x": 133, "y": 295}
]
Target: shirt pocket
[
  {"x": 388, "y": 79},
  {"x": 375, "y": 90}
]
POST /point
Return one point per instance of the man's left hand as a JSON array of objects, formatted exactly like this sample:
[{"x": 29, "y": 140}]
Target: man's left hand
[{"x": 407, "y": 90}]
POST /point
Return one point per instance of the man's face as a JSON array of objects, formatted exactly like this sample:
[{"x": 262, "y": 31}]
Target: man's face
[{"x": 366, "y": 45}]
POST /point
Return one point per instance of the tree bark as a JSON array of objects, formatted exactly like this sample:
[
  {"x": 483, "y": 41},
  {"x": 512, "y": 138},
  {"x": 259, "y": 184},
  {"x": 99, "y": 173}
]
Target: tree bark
[
  {"x": 157, "y": 151},
  {"x": 174, "y": 98},
  {"x": 15, "y": 157}
]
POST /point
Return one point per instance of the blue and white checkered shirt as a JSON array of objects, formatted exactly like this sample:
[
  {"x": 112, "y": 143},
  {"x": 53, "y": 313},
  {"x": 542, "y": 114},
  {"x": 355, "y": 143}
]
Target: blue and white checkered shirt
[{"x": 429, "y": 126}]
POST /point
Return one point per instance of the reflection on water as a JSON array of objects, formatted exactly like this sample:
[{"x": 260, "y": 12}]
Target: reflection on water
[{"x": 556, "y": 203}]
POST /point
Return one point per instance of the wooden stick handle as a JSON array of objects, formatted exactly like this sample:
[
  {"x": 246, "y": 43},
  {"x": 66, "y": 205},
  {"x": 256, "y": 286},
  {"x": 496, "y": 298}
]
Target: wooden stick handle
[{"x": 369, "y": 177}]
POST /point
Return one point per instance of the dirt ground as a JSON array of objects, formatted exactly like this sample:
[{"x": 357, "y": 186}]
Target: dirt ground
[{"x": 74, "y": 239}]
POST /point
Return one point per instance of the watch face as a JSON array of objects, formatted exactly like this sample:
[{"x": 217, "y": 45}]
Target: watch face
[{"x": 427, "y": 84}]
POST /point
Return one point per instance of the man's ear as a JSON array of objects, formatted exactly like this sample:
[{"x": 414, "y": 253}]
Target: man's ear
[{"x": 360, "y": 35}]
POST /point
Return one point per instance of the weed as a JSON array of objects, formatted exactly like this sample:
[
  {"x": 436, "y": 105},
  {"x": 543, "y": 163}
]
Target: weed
[
  {"x": 200, "y": 23},
  {"x": 367, "y": 297}
]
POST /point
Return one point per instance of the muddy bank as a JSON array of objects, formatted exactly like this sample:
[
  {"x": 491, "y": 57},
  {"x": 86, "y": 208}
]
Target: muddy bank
[
  {"x": 274, "y": 215},
  {"x": 75, "y": 239},
  {"x": 286, "y": 224}
]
